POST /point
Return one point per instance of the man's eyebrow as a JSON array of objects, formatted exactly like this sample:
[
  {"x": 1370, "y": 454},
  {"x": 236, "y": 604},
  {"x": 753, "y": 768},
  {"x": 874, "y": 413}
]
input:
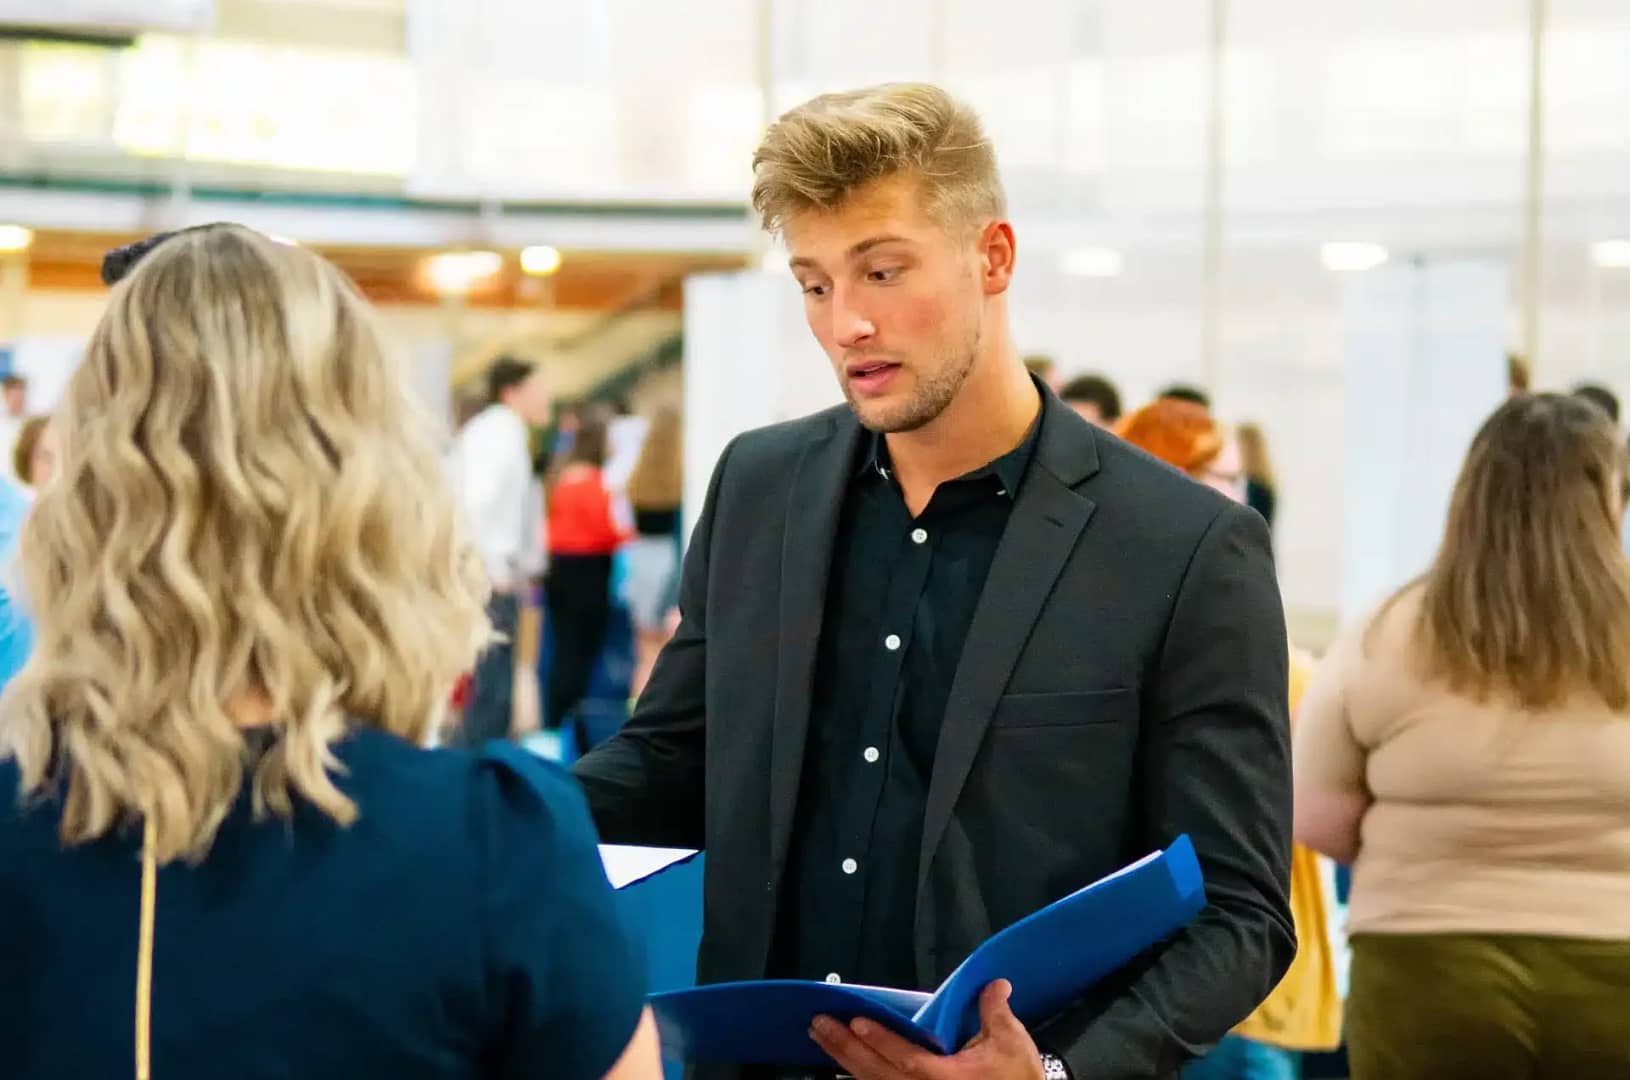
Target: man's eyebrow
[{"x": 854, "y": 252}]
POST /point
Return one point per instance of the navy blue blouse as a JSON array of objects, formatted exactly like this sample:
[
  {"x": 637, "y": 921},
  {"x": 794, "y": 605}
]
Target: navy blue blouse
[{"x": 462, "y": 927}]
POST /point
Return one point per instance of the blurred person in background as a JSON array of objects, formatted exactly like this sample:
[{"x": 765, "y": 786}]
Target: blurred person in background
[
  {"x": 1044, "y": 368},
  {"x": 1304, "y": 1011},
  {"x": 222, "y": 850},
  {"x": 1094, "y": 398},
  {"x": 655, "y": 490},
  {"x": 34, "y": 458},
  {"x": 1184, "y": 392},
  {"x": 16, "y": 633},
  {"x": 493, "y": 478},
  {"x": 1261, "y": 486},
  {"x": 13, "y": 414},
  {"x": 1601, "y": 397},
  {"x": 1186, "y": 436},
  {"x": 1467, "y": 748},
  {"x": 584, "y": 534},
  {"x": 1517, "y": 374}
]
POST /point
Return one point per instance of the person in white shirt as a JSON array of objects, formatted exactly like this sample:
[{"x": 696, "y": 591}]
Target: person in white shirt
[
  {"x": 502, "y": 502},
  {"x": 14, "y": 397}
]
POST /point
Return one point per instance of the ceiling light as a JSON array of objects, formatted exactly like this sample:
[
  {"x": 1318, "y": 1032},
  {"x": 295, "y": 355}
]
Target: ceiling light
[
  {"x": 15, "y": 238},
  {"x": 1092, "y": 262},
  {"x": 540, "y": 260},
  {"x": 1611, "y": 254},
  {"x": 1351, "y": 256},
  {"x": 459, "y": 271}
]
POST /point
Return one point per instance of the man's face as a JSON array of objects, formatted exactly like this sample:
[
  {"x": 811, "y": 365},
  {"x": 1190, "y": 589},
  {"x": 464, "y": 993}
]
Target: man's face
[
  {"x": 894, "y": 298},
  {"x": 1090, "y": 412},
  {"x": 530, "y": 399}
]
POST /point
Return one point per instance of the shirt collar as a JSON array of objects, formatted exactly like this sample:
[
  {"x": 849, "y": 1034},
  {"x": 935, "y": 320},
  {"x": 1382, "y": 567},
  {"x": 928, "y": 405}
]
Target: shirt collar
[{"x": 1009, "y": 469}]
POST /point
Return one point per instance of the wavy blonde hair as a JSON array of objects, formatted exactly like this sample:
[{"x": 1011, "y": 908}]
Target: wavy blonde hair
[
  {"x": 1529, "y": 596},
  {"x": 248, "y": 503}
]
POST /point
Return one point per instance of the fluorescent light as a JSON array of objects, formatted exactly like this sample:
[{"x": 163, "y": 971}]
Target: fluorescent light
[
  {"x": 1092, "y": 262},
  {"x": 15, "y": 238},
  {"x": 540, "y": 260},
  {"x": 1611, "y": 254},
  {"x": 1351, "y": 256},
  {"x": 458, "y": 271}
]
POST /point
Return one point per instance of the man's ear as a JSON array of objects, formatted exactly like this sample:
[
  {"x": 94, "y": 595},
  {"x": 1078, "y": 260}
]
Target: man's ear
[{"x": 997, "y": 251}]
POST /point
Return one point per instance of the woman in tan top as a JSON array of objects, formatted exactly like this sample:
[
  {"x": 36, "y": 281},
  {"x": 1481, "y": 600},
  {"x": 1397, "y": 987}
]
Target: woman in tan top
[{"x": 1468, "y": 749}]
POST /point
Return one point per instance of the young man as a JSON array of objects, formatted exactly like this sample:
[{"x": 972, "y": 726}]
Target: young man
[
  {"x": 492, "y": 474},
  {"x": 951, "y": 652}
]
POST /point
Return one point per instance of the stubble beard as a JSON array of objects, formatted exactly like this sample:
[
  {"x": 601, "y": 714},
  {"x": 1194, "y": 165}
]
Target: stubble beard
[{"x": 930, "y": 396}]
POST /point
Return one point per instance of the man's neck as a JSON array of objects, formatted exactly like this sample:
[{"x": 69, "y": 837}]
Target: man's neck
[{"x": 989, "y": 417}]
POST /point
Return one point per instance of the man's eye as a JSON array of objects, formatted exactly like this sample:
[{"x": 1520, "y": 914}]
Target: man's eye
[
  {"x": 814, "y": 290},
  {"x": 883, "y": 274}
]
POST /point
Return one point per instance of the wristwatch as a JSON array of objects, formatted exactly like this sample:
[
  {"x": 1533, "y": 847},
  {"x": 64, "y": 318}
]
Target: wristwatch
[{"x": 1053, "y": 1068}]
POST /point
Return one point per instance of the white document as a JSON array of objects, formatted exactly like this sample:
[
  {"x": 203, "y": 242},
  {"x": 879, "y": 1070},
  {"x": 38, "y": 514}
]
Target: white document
[{"x": 628, "y": 865}]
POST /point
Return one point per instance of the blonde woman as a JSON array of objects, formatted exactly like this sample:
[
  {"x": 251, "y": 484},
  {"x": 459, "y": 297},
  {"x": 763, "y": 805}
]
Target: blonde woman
[
  {"x": 222, "y": 852},
  {"x": 1469, "y": 746},
  {"x": 652, "y": 556}
]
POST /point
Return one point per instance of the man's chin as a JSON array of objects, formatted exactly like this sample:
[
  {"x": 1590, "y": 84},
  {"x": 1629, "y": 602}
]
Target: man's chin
[{"x": 884, "y": 417}]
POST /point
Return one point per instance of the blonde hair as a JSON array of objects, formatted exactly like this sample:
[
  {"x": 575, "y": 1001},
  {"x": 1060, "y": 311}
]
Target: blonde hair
[
  {"x": 658, "y": 479},
  {"x": 1529, "y": 595},
  {"x": 815, "y": 156},
  {"x": 1253, "y": 448},
  {"x": 248, "y": 503}
]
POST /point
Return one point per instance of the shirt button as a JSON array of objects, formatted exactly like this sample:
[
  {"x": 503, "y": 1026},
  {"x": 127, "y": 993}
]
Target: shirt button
[
  {"x": 918, "y": 536},
  {"x": 871, "y": 754},
  {"x": 892, "y": 642},
  {"x": 850, "y": 866},
  {"x": 834, "y": 977}
]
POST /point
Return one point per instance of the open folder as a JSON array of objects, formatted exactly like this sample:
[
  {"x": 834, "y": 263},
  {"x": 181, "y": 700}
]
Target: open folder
[{"x": 1051, "y": 957}]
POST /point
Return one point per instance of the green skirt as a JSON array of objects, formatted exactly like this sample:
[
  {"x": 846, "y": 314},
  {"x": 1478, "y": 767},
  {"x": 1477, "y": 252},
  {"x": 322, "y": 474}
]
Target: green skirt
[{"x": 1488, "y": 1007}]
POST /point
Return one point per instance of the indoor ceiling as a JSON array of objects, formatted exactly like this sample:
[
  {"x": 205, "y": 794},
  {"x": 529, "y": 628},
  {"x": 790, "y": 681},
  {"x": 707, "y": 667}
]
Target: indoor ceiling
[{"x": 396, "y": 275}]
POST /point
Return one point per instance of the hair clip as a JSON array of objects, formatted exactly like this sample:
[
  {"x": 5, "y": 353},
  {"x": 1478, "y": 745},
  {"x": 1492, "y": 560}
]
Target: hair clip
[{"x": 117, "y": 264}]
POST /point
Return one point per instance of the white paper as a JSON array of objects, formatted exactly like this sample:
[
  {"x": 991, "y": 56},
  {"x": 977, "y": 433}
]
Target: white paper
[{"x": 626, "y": 865}]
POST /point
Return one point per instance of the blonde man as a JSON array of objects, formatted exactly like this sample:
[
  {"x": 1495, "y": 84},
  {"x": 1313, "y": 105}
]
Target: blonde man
[{"x": 950, "y": 652}]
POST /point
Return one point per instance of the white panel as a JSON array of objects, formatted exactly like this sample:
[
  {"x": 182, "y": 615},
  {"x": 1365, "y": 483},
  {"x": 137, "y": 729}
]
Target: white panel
[
  {"x": 1425, "y": 366},
  {"x": 749, "y": 361}
]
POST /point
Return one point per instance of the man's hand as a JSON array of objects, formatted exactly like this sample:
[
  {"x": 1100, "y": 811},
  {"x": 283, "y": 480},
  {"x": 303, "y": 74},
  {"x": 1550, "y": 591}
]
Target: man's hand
[{"x": 1003, "y": 1049}]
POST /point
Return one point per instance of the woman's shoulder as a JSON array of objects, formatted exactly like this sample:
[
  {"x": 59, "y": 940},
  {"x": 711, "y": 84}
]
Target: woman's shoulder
[{"x": 504, "y": 777}]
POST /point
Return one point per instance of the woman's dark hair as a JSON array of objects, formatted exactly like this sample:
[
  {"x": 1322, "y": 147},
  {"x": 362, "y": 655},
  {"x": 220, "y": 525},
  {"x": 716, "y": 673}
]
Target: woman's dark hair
[{"x": 591, "y": 444}]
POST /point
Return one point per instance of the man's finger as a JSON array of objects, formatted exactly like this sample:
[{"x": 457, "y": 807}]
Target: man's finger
[
  {"x": 902, "y": 1054},
  {"x": 996, "y": 1019},
  {"x": 850, "y": 1052}
]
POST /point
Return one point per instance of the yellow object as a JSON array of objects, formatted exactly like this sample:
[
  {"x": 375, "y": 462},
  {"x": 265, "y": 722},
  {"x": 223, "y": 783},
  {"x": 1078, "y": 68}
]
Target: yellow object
[
  {"x": 144, "y": 953},
  {"x": 1304, "y": 1010}
]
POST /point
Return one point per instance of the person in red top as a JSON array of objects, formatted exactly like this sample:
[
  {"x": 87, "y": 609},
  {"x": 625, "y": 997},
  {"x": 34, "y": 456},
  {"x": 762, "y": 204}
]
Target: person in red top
[{"x": 584, "y": 534}]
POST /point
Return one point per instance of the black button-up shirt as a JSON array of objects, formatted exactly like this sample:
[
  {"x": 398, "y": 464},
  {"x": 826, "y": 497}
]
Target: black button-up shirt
[{"x": 900, "y": 596}]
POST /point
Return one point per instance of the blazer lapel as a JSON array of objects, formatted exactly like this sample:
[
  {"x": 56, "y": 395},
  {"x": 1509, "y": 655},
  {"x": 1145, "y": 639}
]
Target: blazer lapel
[
  {"x": 814, "y": 505},
  {"x": 1046, "y": 522}
]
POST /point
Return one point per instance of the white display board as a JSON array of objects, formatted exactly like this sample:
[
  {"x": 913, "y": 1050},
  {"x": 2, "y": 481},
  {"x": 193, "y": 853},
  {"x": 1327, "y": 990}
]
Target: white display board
[
  {"x": 749, "y": 361},
  {"x": 1425, "y": 366}
]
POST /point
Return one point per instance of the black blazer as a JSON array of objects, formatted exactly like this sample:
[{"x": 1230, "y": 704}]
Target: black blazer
[{"x": 1124, "y": 681}]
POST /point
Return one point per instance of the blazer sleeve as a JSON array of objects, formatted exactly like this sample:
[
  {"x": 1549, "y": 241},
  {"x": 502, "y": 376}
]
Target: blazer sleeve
[
  {"x": 1215, "y": 765},
  {"x": 645, "y": 784}
]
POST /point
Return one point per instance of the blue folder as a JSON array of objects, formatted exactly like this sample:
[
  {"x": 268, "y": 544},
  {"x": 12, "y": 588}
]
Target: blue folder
[{"x": 1051, "y": 957}]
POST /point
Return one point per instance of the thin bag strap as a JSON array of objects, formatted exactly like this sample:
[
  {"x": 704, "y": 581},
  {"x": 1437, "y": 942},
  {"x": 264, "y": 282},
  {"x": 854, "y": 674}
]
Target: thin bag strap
[{"x": 144, "y": 952}]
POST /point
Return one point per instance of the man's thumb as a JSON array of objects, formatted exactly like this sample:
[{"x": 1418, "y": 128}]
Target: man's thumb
[{"x": 995, "y": 1016}]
